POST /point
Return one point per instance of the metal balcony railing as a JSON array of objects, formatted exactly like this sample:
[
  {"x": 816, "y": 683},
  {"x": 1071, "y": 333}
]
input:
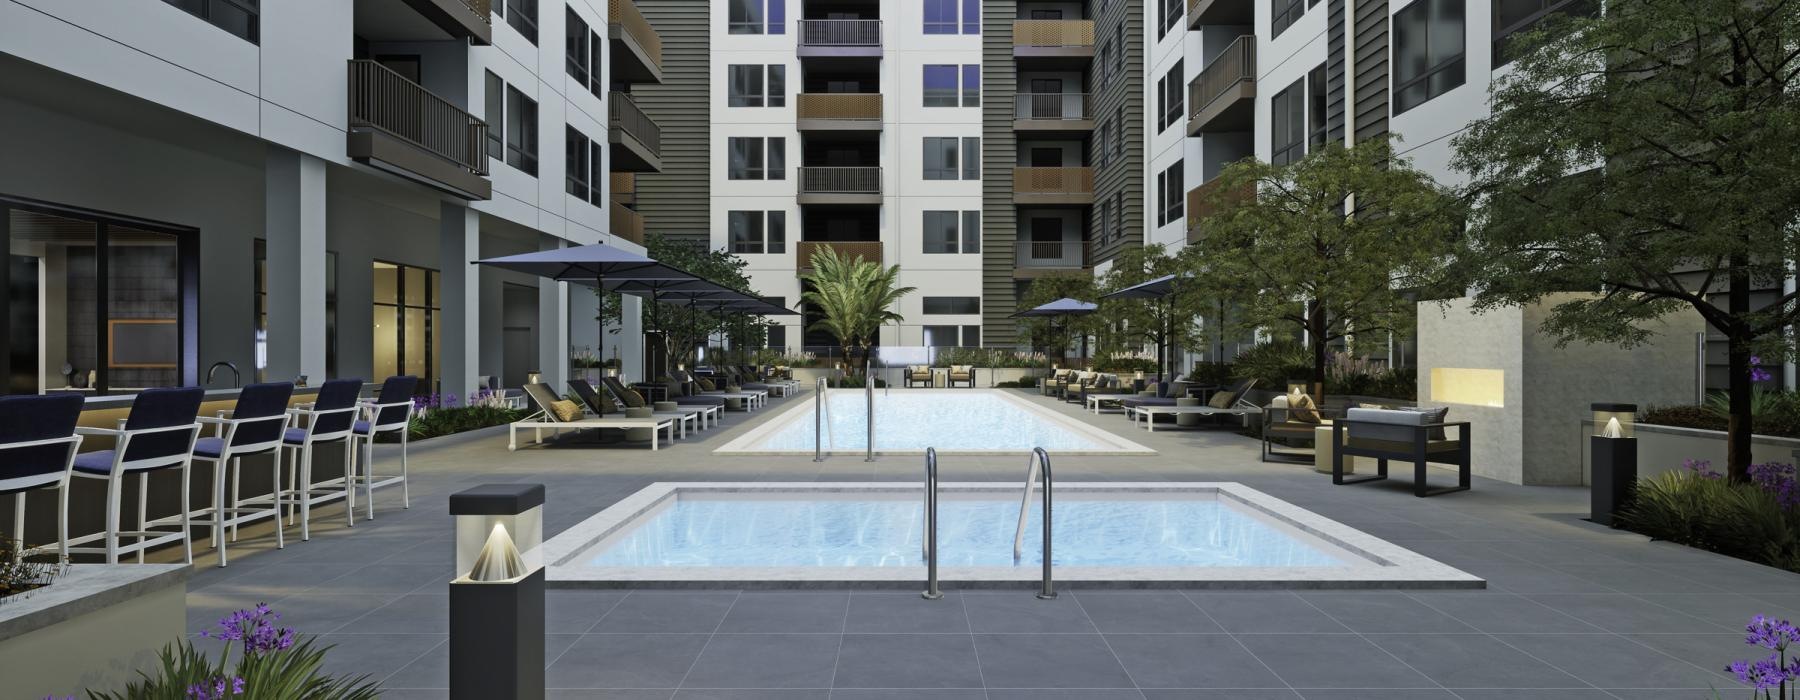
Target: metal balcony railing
[
  {"x": 857, "y": 106},
  {"x": 840, "y": 180},
  {"x": 1053, "y": 180},
  {"x": 1237, "y": 63},
  {"x": 1053, "y": 33},
  {"x": 1071, "y": 106},
  {"x": 868, "y": 250},
  {"x": 483, "y": 9},
  {"x": 840, "y": 32},
  {"x": 1052, "y": 254},
  {"x": 386, "y": 101},
  {"x": 625, "y": 14},
  {"x": 629, "y": 118}
]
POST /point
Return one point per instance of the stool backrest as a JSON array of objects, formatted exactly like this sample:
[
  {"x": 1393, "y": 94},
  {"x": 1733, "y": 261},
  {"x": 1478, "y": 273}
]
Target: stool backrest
[
  {"x": 261, "y": 401},
  {"x": 31, "y": 417},
  {"x": 335, "y": 395},
  {"x": 162, "y": 408},
  {"x": 396, "y": 389}
]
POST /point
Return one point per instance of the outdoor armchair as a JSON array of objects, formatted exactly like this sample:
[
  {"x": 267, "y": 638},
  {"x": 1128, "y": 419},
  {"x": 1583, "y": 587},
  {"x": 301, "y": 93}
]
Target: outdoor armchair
[{"x": 1386, "y": 434}]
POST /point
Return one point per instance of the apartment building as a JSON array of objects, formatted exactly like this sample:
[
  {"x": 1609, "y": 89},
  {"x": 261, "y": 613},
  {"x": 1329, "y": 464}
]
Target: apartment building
[{"x": 298, "y": 188}]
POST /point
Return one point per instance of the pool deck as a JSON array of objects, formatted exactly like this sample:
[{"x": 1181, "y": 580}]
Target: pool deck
[{"x": 1573, "y": 611}]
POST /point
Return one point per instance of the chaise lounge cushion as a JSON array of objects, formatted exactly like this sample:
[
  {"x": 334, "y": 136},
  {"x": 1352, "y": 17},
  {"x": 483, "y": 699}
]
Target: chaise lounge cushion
[{"x": 565, "y": 410}]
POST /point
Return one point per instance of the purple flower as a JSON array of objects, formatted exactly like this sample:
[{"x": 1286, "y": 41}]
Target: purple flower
[
  {"x": 1701, "y": 468},
  {"x": 1779, "y": 479},
  {"x": 255, "y": 629},
  {"x": 1770, "y": 633},
  {"x": 1773, "y": 671}
]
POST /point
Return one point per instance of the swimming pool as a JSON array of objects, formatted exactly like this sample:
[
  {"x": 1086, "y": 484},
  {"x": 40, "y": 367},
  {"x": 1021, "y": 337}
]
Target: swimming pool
[
  {"x": 955, "y": 421},
  {"x": 1106, "y": 535}
]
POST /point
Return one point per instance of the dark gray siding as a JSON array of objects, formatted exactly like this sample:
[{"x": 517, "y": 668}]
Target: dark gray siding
[
  {"x": 999, "y": 218},
  {"x": 1371, "y": 78},
  {"x": 1122, "y": 89},
  {"x": 1334, "y": 71},
  {"x": 675, "y": 202}
]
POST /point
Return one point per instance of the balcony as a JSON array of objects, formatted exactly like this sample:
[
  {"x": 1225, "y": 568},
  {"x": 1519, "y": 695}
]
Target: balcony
[
  {"x": 840, "y": 38},
  {"x": 627, "y": 224},
  {"x": 855, "y": 185},
  {"x": 1066, "y": 41},
  {"x": 623, "y": 188},
  {"x": 1053, "y": 185},
  {"x": 636, "y": 139},
  {"x": 400, "y": 127},
  {"x": 425, "y": 20},
  {"x": 1050, "y": 258},
  {"x": 818, "y": 111},
  {"x": 1053, "y": 113},
  {"x": 1223, "y": 96},
  {"x": 1201, "y": 203},
  {"x": 867, "y": 250},
  {"x": 1201, "y": 12},
  {"x": 636, "y": 47}
]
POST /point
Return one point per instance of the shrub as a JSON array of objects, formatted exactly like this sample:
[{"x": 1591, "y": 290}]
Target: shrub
[
  {"x": 987, "y": 357},
  {"x": 1271, "y": 364},
  {"x": 1216, "y": 373},
  {"x": 18, "y": 575},
  {"x": 1125, "y": 364},
  {"x": 855, "y": 382},
  {"x": 1758, "y": 521},
  {"x": 458, "y": 419},
  {"x": 1775, "y": 413},
  {"x": 273, "y": 662}
]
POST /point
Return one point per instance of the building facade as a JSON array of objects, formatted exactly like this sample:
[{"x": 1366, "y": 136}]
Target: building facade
[{"x": 299, "y": 188}]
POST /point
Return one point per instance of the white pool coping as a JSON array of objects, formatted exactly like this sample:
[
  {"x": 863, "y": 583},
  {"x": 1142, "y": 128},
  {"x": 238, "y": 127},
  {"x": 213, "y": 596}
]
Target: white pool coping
[
  {"x": 750, "y": 442},
  {"x": 1383, "y": 564}
]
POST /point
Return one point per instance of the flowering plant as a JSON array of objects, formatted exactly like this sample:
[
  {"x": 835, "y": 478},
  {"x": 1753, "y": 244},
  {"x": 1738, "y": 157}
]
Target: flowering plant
[
  {"x": 271, "y": 662},
  {"x": 1773, "y": 677}
]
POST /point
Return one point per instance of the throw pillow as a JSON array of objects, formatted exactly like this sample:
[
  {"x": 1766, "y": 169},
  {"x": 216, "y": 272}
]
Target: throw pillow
[
  {"x": 1222, "y": 399},
  {"x": 566, "y": 411},
  {"x": 1301, "y": 409},
  {"x": 705, "y": 385},
  {"x": 633, "y": 397},
  {"x": 1432, "y": 415}
]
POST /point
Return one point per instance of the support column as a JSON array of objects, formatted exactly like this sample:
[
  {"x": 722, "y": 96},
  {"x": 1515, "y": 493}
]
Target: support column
[
  {"x": 630, "y": 339},
  {"x": 294, "y": 225},
  {"x": 459, "y": 243},
  {"x": 555, "y": 327}
]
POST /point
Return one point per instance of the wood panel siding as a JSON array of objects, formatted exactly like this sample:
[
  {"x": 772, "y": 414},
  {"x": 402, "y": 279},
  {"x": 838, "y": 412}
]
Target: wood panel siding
[{"x": 676, "y": 202}]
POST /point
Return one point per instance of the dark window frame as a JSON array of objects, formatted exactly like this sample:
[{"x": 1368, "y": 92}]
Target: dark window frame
[
  {"x": 1282, "y": 113},
  {"x": 950, "y": 306},
  {"x": 577, "y": 168},
  {"x": 1284, "y": 14},
  {"x": 522, "y": 15},
  {"x": 522, "y": 134},
  {"x": 205, "y": 10},
  {"x": 1428, "y": 78}
]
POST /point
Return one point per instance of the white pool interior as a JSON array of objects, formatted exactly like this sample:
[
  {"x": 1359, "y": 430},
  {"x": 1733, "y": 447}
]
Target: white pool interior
[
  {"x": 1115, "y": 534},
  {"x": 909, "y": 420}
]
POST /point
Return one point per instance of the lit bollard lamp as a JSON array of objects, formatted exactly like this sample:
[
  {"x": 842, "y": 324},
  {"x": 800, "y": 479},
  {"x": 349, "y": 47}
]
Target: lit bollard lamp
[
  {"x": 497, "y": 597},
  {"x": 1614, "y": 451}
]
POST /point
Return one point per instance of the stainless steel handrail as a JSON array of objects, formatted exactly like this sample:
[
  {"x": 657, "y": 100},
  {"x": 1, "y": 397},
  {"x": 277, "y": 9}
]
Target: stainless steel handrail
[
  {"x": 818, "y": 418},
  {"x": 869, "y": 390},
  {"x": 930, "y": 540},
  {"x": 1040, "y": 467}
]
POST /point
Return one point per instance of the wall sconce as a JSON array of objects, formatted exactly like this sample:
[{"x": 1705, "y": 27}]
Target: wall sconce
[
  {"x": 534, "y": 377},
  {"x": 612, "y": 371},
  {"x": 1296, "y": 387},
  {"x": 1614, "y": 452},
  {"x": 497, "y": 596}
]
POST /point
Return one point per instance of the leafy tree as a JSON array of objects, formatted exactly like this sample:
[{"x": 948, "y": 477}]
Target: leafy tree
[
  {"x": 855, "y": 297},
  {"x": 684, "y": 328},
  {"x": 1167, "y": 324},
  {"x": 1647, "y": 153},
  {"x": 1295, "y": 255},
  {"x": 1057, "y": 336}
]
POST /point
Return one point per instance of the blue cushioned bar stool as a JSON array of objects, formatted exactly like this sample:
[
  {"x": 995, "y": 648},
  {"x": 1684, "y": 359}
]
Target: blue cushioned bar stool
[
  {"x": 255, "y": 426},
  {"x": 390, "y": 412},
  {"x": 37, "y": 450},
  {"x": 157, "y": 435},
  {"x": 328, "y": 420}
]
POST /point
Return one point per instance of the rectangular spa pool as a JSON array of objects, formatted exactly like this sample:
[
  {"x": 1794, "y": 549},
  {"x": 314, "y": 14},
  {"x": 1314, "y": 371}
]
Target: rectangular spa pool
[
  {"x": 1130, "y": 535},
  {"x": 955, "y": 421}
]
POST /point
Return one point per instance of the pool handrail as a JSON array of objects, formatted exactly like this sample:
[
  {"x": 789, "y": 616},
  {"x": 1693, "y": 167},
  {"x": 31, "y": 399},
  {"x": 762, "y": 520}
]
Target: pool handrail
[
  {"x": 869, "y": 391},
  {"x": 1039, "y": 467},
  {"x": 818, "y": 417},
  {"x": 930, "y": 540}
]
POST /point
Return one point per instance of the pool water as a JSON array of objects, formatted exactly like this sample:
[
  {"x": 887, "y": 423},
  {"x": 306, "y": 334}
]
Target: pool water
[
  {"x": 961, "y": 420},
  {"x": 884, "y": 530}
]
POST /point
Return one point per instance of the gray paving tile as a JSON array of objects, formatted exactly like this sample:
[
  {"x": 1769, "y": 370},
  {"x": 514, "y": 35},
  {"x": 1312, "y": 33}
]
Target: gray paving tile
[
  {"x": 576, "y": 611},
  {"x": 765, "y": 661},
  {"x": 1384, "y": 611},
  {"x": 376, "y": 655},
  {"x": 1529, "y": 578},
  {"x": 1728, "y": 610},
  {"x": 909, "y": 694},
  {"x": 1535, "y": 694},
  {"x": 1060, "y": 694},
  {"x": 1611, "y": 661},
  {"x": 432, "y": 669},
  {"x": 1049, "y": 661},
  {"x": 1626, "y": 578},
  {"x": 1496, "y": 611},
  {"x": 1260, "y": 611},
  {"x": 907, "y": 661},
  {"x": 417, "y": 613},
  {"x": 1365, "y": 694},
  {"x": 1023, "y": 612},
  {"x": 275, "y": 581},
  {"x": 1472, "y": 661},
  {"x": 668, "y": 611},
  {"x": 748, "y": 694},
  {"x": 906, "y": 612},
  {"x": 606, "y": 694},
  {"x": 788, "y": 611},
  {"x": 632, "y": 661},
  {"x": 323, "y": 613},
  {"x": 1331, "y": 661},
  {"x": 1708, "y": 651},
  {"x": 1190, "y": 661},
  {"x": 1214, "y": 694},
  {"x": 1619, "y": 613},
  {"x": 1144, "y": 611}
]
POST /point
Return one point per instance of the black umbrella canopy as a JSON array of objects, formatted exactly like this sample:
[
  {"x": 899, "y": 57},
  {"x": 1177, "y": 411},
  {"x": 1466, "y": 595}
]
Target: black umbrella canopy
[
  {"x": 587, "y": 263},
  {"x": 1061, "y": 307},
  {"x": 1151, "y": 289}
]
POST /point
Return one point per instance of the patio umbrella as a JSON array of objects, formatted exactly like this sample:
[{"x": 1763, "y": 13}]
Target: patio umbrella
[
  {"x": 1061, "y": 308},
  {"x": 1160, "y": 288}
]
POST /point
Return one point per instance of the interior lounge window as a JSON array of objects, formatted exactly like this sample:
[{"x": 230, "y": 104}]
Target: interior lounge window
[
  {"x": 1284, "y": 14},
  {"x": 1428, "y": 51},
  {"x": 1288, "y": 121},
  {"x": 521, "y": 131},
  {"x": 406, "y": 330},
  {"x": 262, "y": 311}
]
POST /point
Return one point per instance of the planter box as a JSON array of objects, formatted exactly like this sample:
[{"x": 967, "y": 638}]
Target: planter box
[
  {"x": 1661, "y": 448},
  {"x": 94, "y": 627},
  {"x": 990, "y": 377}
]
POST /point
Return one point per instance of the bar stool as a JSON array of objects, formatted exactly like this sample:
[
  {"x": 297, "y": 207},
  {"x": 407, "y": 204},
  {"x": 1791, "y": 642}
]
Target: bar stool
[
  {"x": 37, "y": 449},
  {"x": 390, "y": 412},
  {"x": 158, "y": 434},
  {"x": 328, "y": 420},
  {"x": 256, "y": 426}
]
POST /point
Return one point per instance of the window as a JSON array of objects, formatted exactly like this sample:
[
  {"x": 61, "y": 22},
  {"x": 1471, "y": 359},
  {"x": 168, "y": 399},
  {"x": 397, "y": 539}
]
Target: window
[
  {"x": 777, "y": 86},
  {"x": 1099, "y": 144},
  {"x": 242, "y": 18},
  {"x": 778, "y": 336},
  {"x": 1514, "y": 16},
  {"x": 940, "y": 158},
  {"x": 1428, "y": 51},
  {"x": 406, "y": 310},
  {"x": 1118, "y": 49},
  {"x": 952, "y": 305},
  {"x": 1171, "y": 17},
  {"x": 745, "y": 86},
  {"x": 940, "y": 17},
  {"x": 1118, "y": 133},
  {"x": 942, "y": 234},
  {"x": 757, "y": 232},
  {"x": 1315, "y": 108},
  {"x": 1288, "y": 118},
  {"x": 577, "y": 150},
  {"x": 971, "y": 85},
  {"x": 1169, "y": 97},
  {"x": 971, "y": 232},
  {"x": 971, "y": 162},
  {"x": 1100, "y": 65},
  {"x": 971, "y": 18},
  {"x": 584, "y": 49},
  {"x": 523, "y": 16},
  {"x": 1285, "y": 14},
  {"x": 757, "y": 17},
  {"x": 1170, "y": 188},
  {"x": 946, "y": 336},
  {"x": 756, "y": 158},
  {"x": 940, "y": 86},
  {"x": 597, "y": 161},
  {"x": 521, "y": 131},
  {"x": 496, "y": 116},
  {"x": 1119, "y": 215}
]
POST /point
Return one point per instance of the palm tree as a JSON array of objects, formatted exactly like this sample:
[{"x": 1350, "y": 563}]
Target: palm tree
[{"x": 855, "y": 297}]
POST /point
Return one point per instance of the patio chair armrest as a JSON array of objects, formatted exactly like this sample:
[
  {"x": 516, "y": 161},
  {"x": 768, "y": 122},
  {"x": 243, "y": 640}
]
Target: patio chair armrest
[
  {"x": 102, "y": 432},
  {"x": 73, "y": 440}
]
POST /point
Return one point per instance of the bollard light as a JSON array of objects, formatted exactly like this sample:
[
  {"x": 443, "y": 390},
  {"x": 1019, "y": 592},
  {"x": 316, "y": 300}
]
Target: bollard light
[
  {"x": 497, "y": 595},
  {"x": 1614, "y": 452}
]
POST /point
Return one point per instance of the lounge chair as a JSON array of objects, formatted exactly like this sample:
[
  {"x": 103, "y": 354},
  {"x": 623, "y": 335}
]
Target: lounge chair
[
  {"x": 961, "y": 373},
  {"x": 916, "y": 374},
  {"x": 546, "y": 418},
  {"x": 704, "y": 410},
  {"x": 1294, "y": 424},
  {"x": 705, "y": 387},
  {"x": 1238, "y": 405},
  {"x": 735, "y": 376},
  {"x": 602, "y": 406},
  {"x": 1107, "y": 389},
  {"x": 768, "y": 378}
]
